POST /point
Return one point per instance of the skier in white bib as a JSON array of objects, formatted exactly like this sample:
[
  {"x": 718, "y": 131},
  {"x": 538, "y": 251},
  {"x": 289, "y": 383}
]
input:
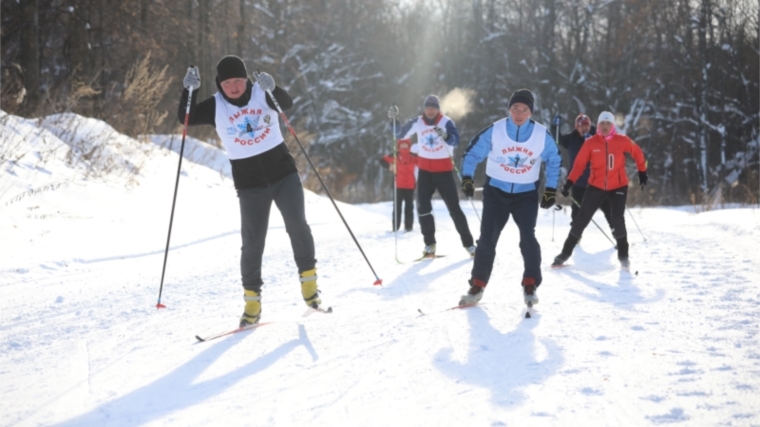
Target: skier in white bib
[
  {"x": 513, "y": 149},
  {"x": 437, "y": 136},
  {"x": 263, "y": 170}
]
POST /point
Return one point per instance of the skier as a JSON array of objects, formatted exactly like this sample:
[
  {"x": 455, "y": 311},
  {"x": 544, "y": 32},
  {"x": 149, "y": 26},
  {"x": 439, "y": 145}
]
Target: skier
[
  {"x": 513, "y": 148},
  {"x": 405, "y": 180},
  {"x": 263, "y": 171},
  {"x": 608, "y": 180},
  {"x": 573, "y": 142},
  {"x": 435, "y": 134}
]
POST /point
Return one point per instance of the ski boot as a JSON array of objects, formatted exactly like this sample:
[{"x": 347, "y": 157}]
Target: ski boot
[
  {"x": 529, "y": 291},
  {"x": 622, "y": 248},
  {"x": 475, "y": 293},
  {"x": 309, "y": 288},
  {"x": 429, "y": 251},
  {"x": 567, "y": 250},
  {"x": 471, "y": 251},
  {"x": 252, "y": 313}
]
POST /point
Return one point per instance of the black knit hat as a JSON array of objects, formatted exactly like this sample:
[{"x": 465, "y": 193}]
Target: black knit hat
[
  {"x": 432, "y": 101},
  {"x": 524, "y": 96},
  {"x": 230, "y": 67}
]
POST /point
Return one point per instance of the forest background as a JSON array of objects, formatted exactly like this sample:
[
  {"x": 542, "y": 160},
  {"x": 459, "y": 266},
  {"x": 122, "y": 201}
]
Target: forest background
[{"x": 681, "y": 76}]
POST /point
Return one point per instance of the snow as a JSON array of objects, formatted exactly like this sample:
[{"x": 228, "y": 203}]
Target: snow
[{"x": 82, "y": 344}]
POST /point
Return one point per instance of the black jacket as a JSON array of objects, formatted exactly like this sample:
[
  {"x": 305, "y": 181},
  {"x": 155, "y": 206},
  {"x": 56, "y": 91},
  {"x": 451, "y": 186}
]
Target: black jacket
[
  {"x": 252, "y": 172},
  {"x": 573, "y": 142}
]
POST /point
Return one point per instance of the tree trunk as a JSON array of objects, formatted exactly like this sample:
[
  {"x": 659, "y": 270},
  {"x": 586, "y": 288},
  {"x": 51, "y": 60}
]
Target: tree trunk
[{"x": 30, "y": 52}]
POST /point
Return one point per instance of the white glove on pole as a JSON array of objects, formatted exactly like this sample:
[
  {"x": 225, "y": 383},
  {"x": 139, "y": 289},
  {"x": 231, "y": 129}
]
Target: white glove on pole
[
  {"x": 192, "y": 80},
  {"x": 393, "y": 112},
  {"x": 265, "y": 81}
]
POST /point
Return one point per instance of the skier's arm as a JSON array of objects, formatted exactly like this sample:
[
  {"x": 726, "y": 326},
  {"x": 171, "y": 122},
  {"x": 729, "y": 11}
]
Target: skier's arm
[
  {"x": 581, "y": 161},
  {"x": 405, "y": 131},
  {"x": 203, "y": 113},
  {"x": 553, "y": 161},
  {"x": 638, "y": 156},
  {"x": 453, "y": 134},
  {"x": 282, "y": 97},
  {"x": 476, "y": 151}
]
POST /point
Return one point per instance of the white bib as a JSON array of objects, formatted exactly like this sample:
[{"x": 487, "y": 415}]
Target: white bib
[
  {"x": 250, "y": 130},
  {"x": 512, "y": 161},
  {"x": 431, "y": 146}
]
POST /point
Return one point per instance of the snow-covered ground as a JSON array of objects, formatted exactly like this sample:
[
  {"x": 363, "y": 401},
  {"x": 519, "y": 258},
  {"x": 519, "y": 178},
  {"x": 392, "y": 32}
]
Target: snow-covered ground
[{"x": 82, "y": 237}]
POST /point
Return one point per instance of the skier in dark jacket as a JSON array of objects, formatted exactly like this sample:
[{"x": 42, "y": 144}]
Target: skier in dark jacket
[
  {"x": 573, "y": 142},
  {"x": 263, "y": 171}
]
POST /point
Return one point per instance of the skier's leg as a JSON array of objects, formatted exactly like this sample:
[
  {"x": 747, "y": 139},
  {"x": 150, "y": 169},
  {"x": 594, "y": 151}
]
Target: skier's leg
[
  {"x": 448, "y": 189},
  {"x": 425, "y": 190},
  {"x": 397, "y": 209},
  {"x": 289, "y": 199},
  {"x": 525, "y": 212},
  {"x": 255, "y": 205},
  {"x": 495, "y": 216},
  {"x": 591, "y": 201},
  {"x": 577, "y": 193},
  {"x": 407, "y": 194},
  {"x": 606, "y": 208},
  {"x": 617, "y": 199}
]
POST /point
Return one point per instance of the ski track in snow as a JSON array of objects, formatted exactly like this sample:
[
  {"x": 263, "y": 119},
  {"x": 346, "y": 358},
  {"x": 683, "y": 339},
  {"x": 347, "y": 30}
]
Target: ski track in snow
[{"x": 81, "y": 343}]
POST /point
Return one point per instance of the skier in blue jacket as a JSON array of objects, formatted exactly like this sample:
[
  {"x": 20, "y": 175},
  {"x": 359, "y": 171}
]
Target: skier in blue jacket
[{"x": 513, "y": 149}]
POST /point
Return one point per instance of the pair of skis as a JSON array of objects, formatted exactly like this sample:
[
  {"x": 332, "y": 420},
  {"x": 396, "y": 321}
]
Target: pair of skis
[
  {"x": 308, "y": 312},
  {"x": 528, "y": 313}
]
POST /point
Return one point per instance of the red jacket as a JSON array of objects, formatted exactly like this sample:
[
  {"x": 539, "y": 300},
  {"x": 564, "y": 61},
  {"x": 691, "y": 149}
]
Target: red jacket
[
  {"x": 406, "y": 161},
  {"x": 607, "y": 158}
]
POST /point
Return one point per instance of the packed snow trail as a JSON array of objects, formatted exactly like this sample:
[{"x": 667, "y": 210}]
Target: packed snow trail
[{"x": 81, "y": 343}]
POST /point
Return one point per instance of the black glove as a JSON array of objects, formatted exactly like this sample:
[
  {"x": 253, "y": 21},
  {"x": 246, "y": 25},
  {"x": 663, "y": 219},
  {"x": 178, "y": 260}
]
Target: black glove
[
  {"x": 442, "y": 133},
  {"x": 643, "y": 179},
  {"x": 566, "y": 188},
  {"x": 549, "y": 198},
  {"x": 468, "y": 187}
]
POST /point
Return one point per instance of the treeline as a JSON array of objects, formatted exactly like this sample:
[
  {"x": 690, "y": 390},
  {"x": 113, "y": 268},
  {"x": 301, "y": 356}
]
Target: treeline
[{"x": 682, "y": 76}]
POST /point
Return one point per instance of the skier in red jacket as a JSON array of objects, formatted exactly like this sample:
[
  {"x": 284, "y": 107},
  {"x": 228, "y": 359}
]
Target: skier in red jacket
[
  {"x": 608, "y": 180},
  {"x": 406, "y": 162}
]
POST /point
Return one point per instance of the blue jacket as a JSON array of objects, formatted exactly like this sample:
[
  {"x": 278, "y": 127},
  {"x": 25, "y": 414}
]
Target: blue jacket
[{"x": 480, "y": 147}]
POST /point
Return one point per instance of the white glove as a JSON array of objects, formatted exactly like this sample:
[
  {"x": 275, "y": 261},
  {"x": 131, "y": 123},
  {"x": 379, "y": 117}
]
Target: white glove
[
  {"x": 192, "y": 80},
  {"x": 442, "y": 133},
  {"x": 392, "y": 167},
  {"x": 266, "y": 82},
  {"x": 393, "y": 112}
]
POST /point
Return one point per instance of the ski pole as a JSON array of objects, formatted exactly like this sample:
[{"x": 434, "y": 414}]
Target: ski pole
[
  {"x": 176, "y": 187},
  {"x": 459, "y": 175},
  {"x": 558, "y": 122},
  {"x": 597, "y": 225},
  {"x": 378, "y": 280},
  {"x": 396, "y": 210},
  {"x": 637, "y": 225}
]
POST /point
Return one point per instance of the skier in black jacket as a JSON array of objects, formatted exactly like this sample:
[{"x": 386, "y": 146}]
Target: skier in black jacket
[
  {"x": 263, "y": 171},
  {"x": 573, "y": 142}
]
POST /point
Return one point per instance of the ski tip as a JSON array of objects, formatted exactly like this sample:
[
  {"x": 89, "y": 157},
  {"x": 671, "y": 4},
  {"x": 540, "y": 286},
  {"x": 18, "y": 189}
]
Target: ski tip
[
  {"x": 419, "y": 310},
  {"x": 199, "y": 339},
  {"x": 329, "y": 310}
]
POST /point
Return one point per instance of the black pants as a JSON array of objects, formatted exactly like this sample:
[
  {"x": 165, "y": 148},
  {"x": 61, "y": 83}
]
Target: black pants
[
  {"x": 404, "y": 196},
  {"x": 592, "y": 200},
  {"x": 497, "y": 208},
  {"x": 577, "y": 193},
  {"x": 255, "y": 205},
  {"x": 427, "y": 183}
]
